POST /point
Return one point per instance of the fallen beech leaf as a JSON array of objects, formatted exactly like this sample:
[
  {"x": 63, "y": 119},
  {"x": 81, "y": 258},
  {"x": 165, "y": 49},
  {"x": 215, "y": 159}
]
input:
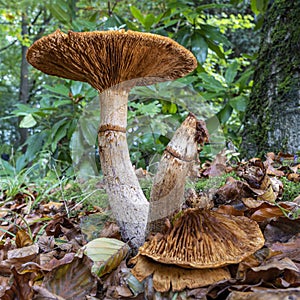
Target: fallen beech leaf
[
  {"x": 217, "y": 166},
  {"x": 23, "y": 254},
  {"x": 106, "y": 253},
  {"x": 71, "y": 281},
  {"x": 23, "y": 239},
  {"x": 268, "y": 210},
  {"x": 54, "y": 263},
  {"x": 252, "y": 203},
  {"x": 270, "y": 271},
  {"x": 282, "y": 264},
  {"x": 110, "y": 230},
  {"x": 295, "y": 177},
  {"x": 268, "y": 195},
  {"x": 266, "y": 294},
  {"x": 56, "y": 225},
  {"x": 232, "y": 192},
  {"x": 43, "y": 294},
  {"x": 289, "y": 249},
  {"x": 52, "y": 207},
  {"x": 22, "y": 285},
  {"x": 281, "y": 230},
  {"x": 230, "y": 210}
]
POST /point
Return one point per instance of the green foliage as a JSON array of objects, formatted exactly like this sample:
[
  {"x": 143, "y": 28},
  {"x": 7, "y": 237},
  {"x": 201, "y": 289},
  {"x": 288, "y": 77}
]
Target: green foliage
[
  {"x": 53, "y": 120},
  {"x": 222, "y": 80},
  {"x": 290, "y": 189},
  {"x": 204, "y": 184}
]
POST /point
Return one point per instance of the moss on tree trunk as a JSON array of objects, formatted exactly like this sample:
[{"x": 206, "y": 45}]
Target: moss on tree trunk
[{"x": 272, "y": 121}]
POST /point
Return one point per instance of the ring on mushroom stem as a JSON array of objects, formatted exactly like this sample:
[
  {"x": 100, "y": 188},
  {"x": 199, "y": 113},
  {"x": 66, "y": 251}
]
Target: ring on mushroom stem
[{"x": 104, "y": 60}]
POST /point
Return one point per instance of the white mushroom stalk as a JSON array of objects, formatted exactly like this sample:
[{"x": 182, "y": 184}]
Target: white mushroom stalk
[{"x": 126, "y": 198}]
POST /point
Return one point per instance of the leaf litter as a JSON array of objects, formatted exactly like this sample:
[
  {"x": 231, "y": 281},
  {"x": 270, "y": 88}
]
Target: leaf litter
[{"x": 46, "y": 254}]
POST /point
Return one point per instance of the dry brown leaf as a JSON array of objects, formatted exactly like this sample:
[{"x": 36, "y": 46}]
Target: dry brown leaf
[
  {"x": 281, "y": 230},
  {"x": 232, "y": 192},
  {"x": 23, "y": 239},
  {"x": 268, "y": 210},
  {"x": 72, "y": 281},
  {"x": 289, "y": 249},
  {"x": 266, "y": 294}
]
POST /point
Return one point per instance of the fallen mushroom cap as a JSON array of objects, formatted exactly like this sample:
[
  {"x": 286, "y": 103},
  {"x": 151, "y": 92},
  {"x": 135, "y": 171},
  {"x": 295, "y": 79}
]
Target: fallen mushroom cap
[
  {"x": 170, "y": 276},
  {"x": 205, "y": 239},
  {"x": 106, "y": 58}
]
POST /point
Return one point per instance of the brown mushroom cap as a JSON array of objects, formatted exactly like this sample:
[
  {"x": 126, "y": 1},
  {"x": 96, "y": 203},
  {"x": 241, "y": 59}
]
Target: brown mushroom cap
[
  {"x": 106, "y": 58},
  {"x": 205, "y": 239},
  {"x": 166, "y": 277}
]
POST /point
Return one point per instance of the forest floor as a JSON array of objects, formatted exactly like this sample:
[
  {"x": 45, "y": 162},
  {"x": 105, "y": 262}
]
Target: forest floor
[{"x": 48, "y": 251}]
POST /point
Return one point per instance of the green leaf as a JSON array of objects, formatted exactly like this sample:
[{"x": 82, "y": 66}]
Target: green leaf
[
  {"x": 217, "y": 49},
  {"x": 106, "y": 253},
  {"x": 224, "y": 114},
  {"x": 35, "y": 144},
  {"x": 239, "y": 103},
  {"x": 58, "y": 103},
  {"x": 199, "y": 47},
  {"x": 58, "y": 133},
  {"x": 28, "y": 122},
  {"x": 58, "y": 89},
  {"x": 231, "y": 72},
  {"x": 76, "y": 87},
  {"x": 210, "y": 83},
  {"x": 60, "y": 12},
  {"x": 244, "y": 79},
  {"x": 21, "y": 163},
  {"x": 6, "y": 168},
  {"x": 149, "y": 21},
  {"x": 89, "y": 130},
  {"x": 214, "y": 34},
  {"x": 137, "y": 14}
]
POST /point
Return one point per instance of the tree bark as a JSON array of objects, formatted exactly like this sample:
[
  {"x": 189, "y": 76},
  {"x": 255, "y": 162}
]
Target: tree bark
[
  {"x": 128, "y": 203},
  {"x": 272, "y": 118},
  {"x": 167, "y": 194},
  {"x": 24, "y": 80}
]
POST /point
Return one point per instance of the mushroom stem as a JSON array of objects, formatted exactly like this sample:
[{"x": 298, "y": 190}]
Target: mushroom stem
[
  {"x": 128, "y": 203},
  {"x": 167, "y": 194}
]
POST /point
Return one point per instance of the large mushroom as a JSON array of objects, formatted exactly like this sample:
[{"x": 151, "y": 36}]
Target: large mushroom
[
  {"x": 199, "y": 244},
  {"x": 202, "y": 238},
  {"x": 105, "y": 60}
]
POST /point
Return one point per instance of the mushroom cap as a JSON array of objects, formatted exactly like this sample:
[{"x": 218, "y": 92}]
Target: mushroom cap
[
  {"x": 107, "y": 58},
  {"x": 202, "y": 239},
  {"x": 166, "y": 277}
]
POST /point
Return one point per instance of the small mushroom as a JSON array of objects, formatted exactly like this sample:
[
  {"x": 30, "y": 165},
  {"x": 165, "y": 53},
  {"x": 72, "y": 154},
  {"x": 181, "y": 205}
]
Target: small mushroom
[
  {"x": 203, "y": 239},
  {"x": 104, "y": 60}
]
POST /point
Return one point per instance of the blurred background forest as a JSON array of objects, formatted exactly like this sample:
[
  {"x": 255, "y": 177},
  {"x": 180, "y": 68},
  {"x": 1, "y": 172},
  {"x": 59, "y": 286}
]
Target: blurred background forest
[{"x": 40, "y": 114}]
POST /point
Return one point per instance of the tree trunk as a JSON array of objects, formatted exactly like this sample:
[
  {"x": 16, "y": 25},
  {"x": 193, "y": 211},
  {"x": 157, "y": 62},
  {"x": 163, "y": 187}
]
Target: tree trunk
[
  {"x": 272, "y": 118},
  {"x": 24, "y": 81}
]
